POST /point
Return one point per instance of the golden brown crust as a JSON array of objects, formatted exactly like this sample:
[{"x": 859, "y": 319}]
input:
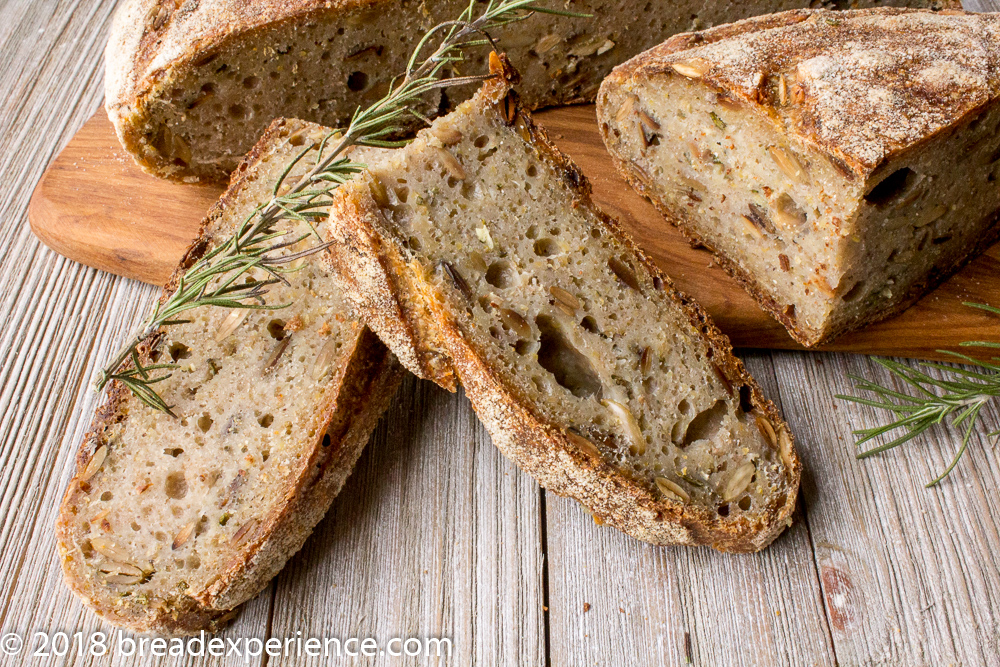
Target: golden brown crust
[
  {"x": 342, "y": 423},
  {"x": 864, "y": 85},
  {"x": 383, "y": 287},
  {"x": 541, "y": 448}
]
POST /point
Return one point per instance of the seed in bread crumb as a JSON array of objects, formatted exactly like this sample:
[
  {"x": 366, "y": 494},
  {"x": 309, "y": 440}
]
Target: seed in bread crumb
[
  {"x": 95, "y": 463},
  {"x": 693, "y": 68}
]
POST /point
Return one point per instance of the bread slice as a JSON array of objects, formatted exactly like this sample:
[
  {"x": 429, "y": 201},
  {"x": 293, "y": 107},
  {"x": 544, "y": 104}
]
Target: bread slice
[
  {"x": 190, "y": 85},
  {"x": 840, "y": 165},
  {"x": 168, "y": 523},
  {"x": 477, "y": 255}
]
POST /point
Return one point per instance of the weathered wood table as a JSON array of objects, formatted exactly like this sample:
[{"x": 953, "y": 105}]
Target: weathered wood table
[{"x": 438, "y": 535}]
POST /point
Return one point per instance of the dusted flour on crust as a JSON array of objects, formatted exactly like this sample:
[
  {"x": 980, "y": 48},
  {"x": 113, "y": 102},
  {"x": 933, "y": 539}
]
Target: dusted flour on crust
[{"x": 840, "y": 164}]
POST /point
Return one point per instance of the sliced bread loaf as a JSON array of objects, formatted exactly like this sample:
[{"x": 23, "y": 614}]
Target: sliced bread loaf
[
  {"x": 190, "y": 85},
  {"x": 840, "y": 164},
  {"x": 477, "y": 255},
  {"x": 169, "y": 523}
]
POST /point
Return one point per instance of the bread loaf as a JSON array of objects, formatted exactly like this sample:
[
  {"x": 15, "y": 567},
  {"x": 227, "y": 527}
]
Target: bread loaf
[
  {"x": 477, "y": 255},
  {"x": 168, "y": 523},
  {"x": 191, "y": 85},
  {"x": 840, "y": 165}
]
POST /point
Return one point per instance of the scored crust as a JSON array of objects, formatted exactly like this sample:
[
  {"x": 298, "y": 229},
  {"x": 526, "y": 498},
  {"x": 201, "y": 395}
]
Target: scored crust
[
  {"x": 344, "y": 417},
  {"x": 415, "y": 322}
]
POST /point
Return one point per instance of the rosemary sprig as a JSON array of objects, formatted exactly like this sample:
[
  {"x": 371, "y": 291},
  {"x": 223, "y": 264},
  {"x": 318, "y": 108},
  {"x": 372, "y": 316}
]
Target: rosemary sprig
[
  {"x": 961, "y": 396},
  {"x": 251, "y": 251}
]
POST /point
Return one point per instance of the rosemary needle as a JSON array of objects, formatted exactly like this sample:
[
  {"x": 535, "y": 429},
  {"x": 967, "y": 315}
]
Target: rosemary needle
[
  {"x": 961, "y": 397},
  {"x": 214, "y": 280}
]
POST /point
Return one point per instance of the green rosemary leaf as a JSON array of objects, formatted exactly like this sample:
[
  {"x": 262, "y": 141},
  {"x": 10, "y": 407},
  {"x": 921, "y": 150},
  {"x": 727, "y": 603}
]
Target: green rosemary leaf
[
  {"x": 959, "y": 397},
  {"x": 982, "y": 306}
]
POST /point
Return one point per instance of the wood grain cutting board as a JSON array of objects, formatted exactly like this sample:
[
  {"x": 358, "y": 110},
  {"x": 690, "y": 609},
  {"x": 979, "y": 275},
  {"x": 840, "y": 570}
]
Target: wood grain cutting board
[{"x": 95, "y": 206}]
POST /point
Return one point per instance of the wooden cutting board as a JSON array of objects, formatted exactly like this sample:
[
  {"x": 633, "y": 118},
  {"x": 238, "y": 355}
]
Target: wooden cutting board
[{"x": 95, "y": 206}]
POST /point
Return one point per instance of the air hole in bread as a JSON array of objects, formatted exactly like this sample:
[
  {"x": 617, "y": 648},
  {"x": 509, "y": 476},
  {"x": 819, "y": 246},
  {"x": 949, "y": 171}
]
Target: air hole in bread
[
  {"x": 277, "y": 329},
  {"x": 106, "y": 496},
  {"x": 746, "y": 399},
  {"x": 357, "y": 81},
  {"x": 175, "y": 486},
  {"x": 857, "y": 290},
  {"x": 179, "y": 351},
  {"x": 266, "y": 420},
  {"x": 590, "y": 324},
  {"x": 570, "y": 367},
  {"x": 706, "y": 424},
  {"x": 173, "y": 451},
  {"x": 501, "y": 274},
  {"x": 546, "y": 247},
  {"x": 205, "y": 422},
  {"x": 891, "y": 187}
]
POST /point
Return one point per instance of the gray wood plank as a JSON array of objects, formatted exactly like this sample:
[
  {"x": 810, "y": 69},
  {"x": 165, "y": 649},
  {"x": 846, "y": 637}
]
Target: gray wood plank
[
  {"x": 981, "y": 5},
  {"x": 656, "y": 606},
  {"x": 908, "y": 574},
  {"x": 62, "y": 319},
  {"x": 435, "y": 535}
]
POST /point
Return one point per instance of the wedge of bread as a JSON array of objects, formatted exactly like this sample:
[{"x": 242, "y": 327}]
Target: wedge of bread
[
  {"x": 190, "y": 85},
  {"x": 477, "y": 255},
  {"x": 169, "y": 524},
  {"x": 840, "y": 164}
]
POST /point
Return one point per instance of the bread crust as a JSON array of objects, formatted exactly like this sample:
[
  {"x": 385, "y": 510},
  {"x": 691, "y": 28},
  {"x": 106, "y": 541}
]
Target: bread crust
[
  {"x": 541, "y": 448},
  {"x": 364, "y": 384},
  {"x": 858, "y": 153},
  {"x": 154, "y": 43},
  {"x": 740, "y": 57}
]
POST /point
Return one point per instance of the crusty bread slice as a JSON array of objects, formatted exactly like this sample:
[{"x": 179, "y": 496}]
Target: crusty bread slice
[
  {"x": 839, "y": 164},
  {"x": 476, "y": 254},
  {"x": 169, "y": 523},
  {"x": 190, "y": 85}
]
